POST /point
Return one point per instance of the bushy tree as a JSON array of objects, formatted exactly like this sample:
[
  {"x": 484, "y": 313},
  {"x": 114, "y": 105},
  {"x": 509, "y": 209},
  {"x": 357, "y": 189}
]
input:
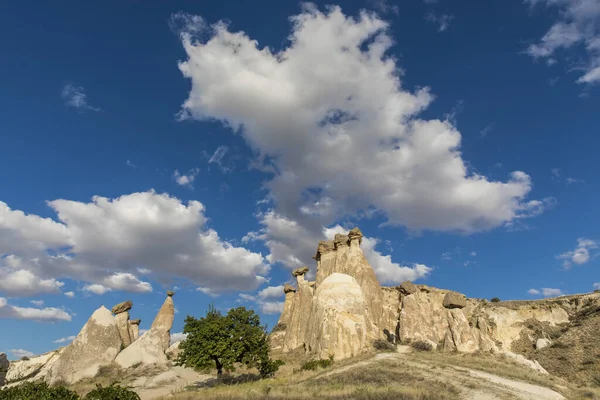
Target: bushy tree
[
  {"x": 219, "y": 341},
  {"x": 37, "y": 391}
]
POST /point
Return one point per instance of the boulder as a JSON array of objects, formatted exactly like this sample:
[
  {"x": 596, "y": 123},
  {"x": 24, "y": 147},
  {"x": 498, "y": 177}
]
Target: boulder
[
  {"x": 355, "y": 233},
  {"x": 173, "y": 350},
  {"x": 300, "y": 271},
  {"x": 122, "y": 320},
  {"x": 151, "y": 347},
  {"x": 324, "y": 246},
  {"x": 340, "y": 240},
  {"x": 122, "y": 307},
  {"x": 407, "y": 288},
  {"x": 97, "y": 345},
  {"x": 519, "y": 359},
  {"x": 3, "y": 368},
  {"x": 170, "y": 293},
  {"x": 287, "y": 288},
  {"x": 455, "y": 300},
  {"x": 542, "y": 343},
  {"x": 339, "y": 322}
]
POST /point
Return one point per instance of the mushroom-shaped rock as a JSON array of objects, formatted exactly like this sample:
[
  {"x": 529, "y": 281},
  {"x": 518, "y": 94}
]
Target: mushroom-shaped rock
[
  {"x": 97, "y": 345},
  {"x": 325, "y": 246},
  {"x": 340, "y": 240},
  {"x": 355, "y": 233},
  {"x": 455, "y": 300},
  {"x": 300, "y": 271},
  {"x": 122, "y": 307},
  {"x": 170, "y": 293},
  {"x": 135, "y": 321},
  {"x": 407, "y": 288},
  {"x": 287, "y": 288},
  {"x": 3, "y": 368},
  {"x": 150, "y": 348}
]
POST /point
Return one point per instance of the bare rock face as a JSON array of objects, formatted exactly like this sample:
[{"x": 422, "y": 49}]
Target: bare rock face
[
  {"x": 455, "y": 300},
  {"x": 407, "y": 288},
  {"x": 122, "y": 307},
  {"x": 134, "y": 329},
  {"x": 3, "y": 368},
  {"x": 122, "y": 320},
  {"x": 97, "y": 345},
  {"x": 300, "y": 271},
  {"x": 34, "y": 368},
  {"x": 151, "y": 347},
  {"x": 339, "y": 323}
]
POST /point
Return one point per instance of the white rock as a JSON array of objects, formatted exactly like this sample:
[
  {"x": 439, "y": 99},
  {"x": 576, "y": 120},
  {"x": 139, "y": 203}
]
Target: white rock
[{"x": 541, "y": 343}]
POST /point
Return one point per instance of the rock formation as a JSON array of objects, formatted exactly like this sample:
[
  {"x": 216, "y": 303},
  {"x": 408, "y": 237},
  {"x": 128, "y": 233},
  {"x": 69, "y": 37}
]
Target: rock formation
[
  {"x": 151, "y": 347},
  {"x": 122, "y": 307},
  {"x": 134, "y": 329},
  {"x": 97, "y": 345},
  {"x": 3, "y": 368},
  {"x": 345, "y": 309}
]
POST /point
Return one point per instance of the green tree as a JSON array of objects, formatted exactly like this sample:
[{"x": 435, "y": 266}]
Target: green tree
[{"x": 220, "y": 341}]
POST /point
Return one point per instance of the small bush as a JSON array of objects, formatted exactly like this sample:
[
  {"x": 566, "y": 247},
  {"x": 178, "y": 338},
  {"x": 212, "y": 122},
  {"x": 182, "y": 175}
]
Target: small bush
[
  {"x": 313, "y": 365},
  {"x": 384, "y": 345},
  {"x": 24, "y": 358},
  {"x": 112, "y": 392},
  {"x": 495, "y": 300},
  {"x": 422, "y": 345},
  {"x": 37, "y": 391},
  {"x": 279, "y": 327},
  {"x": 268, "y": 367}
]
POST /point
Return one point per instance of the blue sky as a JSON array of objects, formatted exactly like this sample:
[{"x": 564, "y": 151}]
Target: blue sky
[{"x": 209, "y": 147}]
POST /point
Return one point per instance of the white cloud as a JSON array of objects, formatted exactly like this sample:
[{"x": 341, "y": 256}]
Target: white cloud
[
  {"x": 329, "y": 117},
  {"x": 571, "y": 180},
  {"x": 65, "y": 339},
  {"x": 38, "y": 303},
  {"x": 186, "y": 180},
  {"x": 103, "y": 243},
  {"x": 178, "y": 336},
  {"x": 271, "y": 292},
  {"x": 384, "y": 7},
  {"x": 74, "y": 96},
  {"x": 578, "y": 25},
  {"x": 130, "y": 164},
  {"x": 217, "y": 158},
  {"x": 581, "y": 254},
  {"x": 23, "y": 283},
  {"x": 597, "y": 285},
  {"x": 271, "y": 307},
  {"x": 96, "y": 288},
  {"x": 69, "y": 294},
  {"x": 473, "y": 254},
  {"x": 442, "y": 20},
  {"x": 48, "y": 314},
  {"x": 20, "y": 353},
  {"x": 550, "y": 292},
  {"x": 243, "y": 297},
  {"x": 546, "y": 292}
]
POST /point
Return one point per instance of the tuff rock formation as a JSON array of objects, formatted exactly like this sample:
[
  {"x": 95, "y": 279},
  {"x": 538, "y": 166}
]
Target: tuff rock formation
[
  {"x": 151, "y": 347},
  {"x": 134, "y": 329},
  {"x": 32, "y": 369},
  {"x": 122, "y": 307},
  {"x": 346, "y": 308},
  {"x": 97, "y": 344},
  {"x": 3, "y": 368}
]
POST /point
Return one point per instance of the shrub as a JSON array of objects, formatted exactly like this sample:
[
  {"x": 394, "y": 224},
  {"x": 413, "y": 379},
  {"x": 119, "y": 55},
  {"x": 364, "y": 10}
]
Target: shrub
[
  {"x": 268, "y": 367},
  {"x": 422, "y": 345},
  {"x": 279, "y": 327},
  {"x": 112, "y": 392},
  {"x": 24, "y": 358},
  {"x": 37, "y": 391},
  {"x": 495, "y": 300},
  {"x": 313, "y": 365},
  {"x": 384, "y": 345}
]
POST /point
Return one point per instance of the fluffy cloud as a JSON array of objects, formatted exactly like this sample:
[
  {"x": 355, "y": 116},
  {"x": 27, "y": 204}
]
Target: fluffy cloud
[
  {"x": 38, "y": 303},
  {"x": 546, "y": 292},
  {"x": 271, "y": 292},
  {"x": 578, "y": 25},
  {"x": 65, "y": 339},
  {"x": 103, "y": 242},
  {"x": 271, "y": 307},
  {"x": 581, "y": 254},
  {"x": 48, "y": 314},
  {"x": 441, "y": 20},
  {"x": 69, "y": 294},
  {"x": 24, "y": 283},
  {"x": 330, "y": 116},
  {"x": 75, "y": 97},
  {"x": 186, "y": 180},
  {"x": 178, "y": 336},
  {"x": 597, "y": 285},
  {"x": 20, "y": 353}
]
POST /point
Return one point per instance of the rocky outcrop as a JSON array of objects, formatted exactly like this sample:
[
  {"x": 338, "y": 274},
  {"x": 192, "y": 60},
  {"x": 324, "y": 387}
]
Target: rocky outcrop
[
  {"x": 97, "y": 345},
  {"x": 151, "y": 347},
  {"x": 299, "y": 271},
  {"x": 312, "y": 321},
  {"x": 3, "y": 368},
  {"x": 34, "y": 368},
  {"x": 134, "y": 329},
  {"x": 122, "y": 320}
]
